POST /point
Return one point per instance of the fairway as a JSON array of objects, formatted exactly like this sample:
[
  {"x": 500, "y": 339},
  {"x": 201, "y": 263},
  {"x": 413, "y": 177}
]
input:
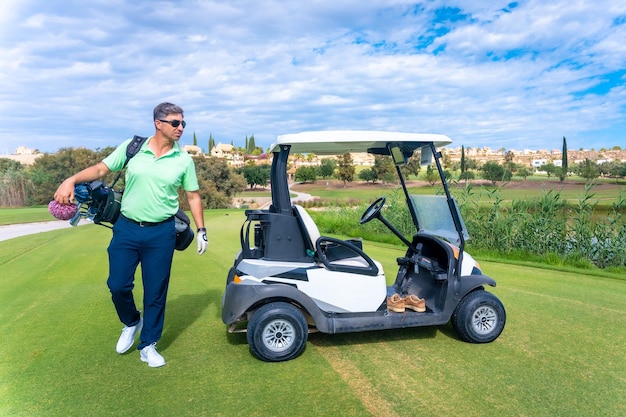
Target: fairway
[
  {"x": 604, "y": 192},
  {"x": 561, "y": 353}
]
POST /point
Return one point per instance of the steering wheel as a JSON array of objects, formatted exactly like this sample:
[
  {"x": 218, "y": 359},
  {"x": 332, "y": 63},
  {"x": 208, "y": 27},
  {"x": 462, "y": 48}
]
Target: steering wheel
[{"x": 372, "y": 211}]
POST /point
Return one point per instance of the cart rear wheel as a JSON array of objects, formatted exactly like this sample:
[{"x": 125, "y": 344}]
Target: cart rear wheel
[
  {"x": 277, "y": 332},
  {"x": 479, "y": 317}
]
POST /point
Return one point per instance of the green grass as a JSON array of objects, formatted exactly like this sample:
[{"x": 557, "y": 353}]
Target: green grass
[
  {"x": 319, "y": 190},
  {"x": 603, "y": 193},
  {"x": 603, "y": 196},
  {"x": 25, "y": 215},
  {"x": 248, "y": 193},
  {"x": 561, "y": 353}
]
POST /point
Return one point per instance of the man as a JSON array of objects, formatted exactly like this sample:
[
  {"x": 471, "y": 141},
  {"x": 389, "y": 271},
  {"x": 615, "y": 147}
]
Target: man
[{"x": 145, "y": 231}]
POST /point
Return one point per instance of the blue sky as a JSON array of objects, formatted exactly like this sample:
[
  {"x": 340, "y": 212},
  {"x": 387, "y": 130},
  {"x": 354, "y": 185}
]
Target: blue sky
[{"x": 514, "y": 75}]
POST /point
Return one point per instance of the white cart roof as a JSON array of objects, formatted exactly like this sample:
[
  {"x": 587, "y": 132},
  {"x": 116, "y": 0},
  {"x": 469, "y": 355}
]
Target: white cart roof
[{"x": 333, "y": 142}]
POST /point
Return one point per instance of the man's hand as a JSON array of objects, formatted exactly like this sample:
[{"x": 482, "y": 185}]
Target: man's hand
[
  {"x": 202, "y": 240},
  {"x": 65, "y": 193}
]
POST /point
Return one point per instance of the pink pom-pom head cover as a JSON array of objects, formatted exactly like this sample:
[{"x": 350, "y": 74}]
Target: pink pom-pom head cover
[{"x": 62, "y": 211}]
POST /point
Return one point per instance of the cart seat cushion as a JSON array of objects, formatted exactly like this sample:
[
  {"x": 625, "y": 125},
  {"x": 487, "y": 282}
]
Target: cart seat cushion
[{"x": 312, "y": 233}]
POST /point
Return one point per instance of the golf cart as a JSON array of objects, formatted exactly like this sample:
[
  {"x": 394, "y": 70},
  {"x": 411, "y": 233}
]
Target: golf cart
[{"x": 288, "y": 280}]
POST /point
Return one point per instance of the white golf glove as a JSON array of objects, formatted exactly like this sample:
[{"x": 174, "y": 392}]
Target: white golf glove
[{"x": 203, "y": 241}]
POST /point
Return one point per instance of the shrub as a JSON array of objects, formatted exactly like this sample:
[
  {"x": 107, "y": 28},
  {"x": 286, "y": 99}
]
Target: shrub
[{"x": 544, "y": 228}]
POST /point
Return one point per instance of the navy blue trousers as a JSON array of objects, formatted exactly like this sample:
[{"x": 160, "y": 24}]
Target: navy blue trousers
[{"x": 153, "y": 247}]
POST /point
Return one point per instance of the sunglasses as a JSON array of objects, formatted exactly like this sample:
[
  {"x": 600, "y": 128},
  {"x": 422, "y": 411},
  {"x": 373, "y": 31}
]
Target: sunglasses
[{"x": 174, "y": 123}]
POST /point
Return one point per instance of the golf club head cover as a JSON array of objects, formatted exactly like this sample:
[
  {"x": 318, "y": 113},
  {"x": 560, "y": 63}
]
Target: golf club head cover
[{"x": 62, "y": 211}]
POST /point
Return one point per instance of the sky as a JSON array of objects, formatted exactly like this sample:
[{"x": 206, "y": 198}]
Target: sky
[{"x": 513, "y": 75}]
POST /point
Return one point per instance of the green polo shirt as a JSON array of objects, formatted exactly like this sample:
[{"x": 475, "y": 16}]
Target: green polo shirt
[{"x": 151, "y": 193}]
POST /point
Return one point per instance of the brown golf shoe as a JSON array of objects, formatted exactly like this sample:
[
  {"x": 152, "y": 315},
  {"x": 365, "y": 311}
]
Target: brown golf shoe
[
  {"x": 415, "y": 303},
  {"x": 395, "y": 303}
]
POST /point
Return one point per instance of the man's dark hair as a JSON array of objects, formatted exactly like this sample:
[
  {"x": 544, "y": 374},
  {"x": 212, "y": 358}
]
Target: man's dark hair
[{"x": 162, "y": 110}]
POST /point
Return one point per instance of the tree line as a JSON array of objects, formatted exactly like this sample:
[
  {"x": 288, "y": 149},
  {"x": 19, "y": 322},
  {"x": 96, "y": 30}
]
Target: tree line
[
  {"x": 495, "y": 171},
  {"x": 383, "y": 169},
  {"x": 35, "y": 185}
]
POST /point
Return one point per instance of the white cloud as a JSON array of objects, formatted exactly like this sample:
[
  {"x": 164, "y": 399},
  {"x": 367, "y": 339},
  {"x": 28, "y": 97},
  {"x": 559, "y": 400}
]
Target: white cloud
[{"x": 489, "y": 73}]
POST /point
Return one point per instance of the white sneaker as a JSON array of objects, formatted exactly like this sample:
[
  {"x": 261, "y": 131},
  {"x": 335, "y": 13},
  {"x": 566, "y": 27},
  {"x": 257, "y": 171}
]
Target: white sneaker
[
  {"x": 149, "y": 354},
  {"x": 127, "y": 338}
]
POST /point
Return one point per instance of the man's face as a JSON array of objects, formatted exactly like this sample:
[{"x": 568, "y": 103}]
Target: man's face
[{"x": 171, "y": 126}]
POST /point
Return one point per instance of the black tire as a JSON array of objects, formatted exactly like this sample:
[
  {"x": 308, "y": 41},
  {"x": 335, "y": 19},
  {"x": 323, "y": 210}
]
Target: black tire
[
  {"x": 277, "y": 332},
  {"x": 479, "y": 317}
]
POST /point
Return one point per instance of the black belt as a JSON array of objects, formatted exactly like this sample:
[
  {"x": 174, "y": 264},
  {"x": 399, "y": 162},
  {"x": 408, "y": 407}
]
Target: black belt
[{"x": 147, "y": 224}]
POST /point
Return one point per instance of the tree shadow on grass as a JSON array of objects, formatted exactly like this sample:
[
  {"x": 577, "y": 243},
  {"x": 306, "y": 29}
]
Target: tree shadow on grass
[{"x": 183, "y": 311}]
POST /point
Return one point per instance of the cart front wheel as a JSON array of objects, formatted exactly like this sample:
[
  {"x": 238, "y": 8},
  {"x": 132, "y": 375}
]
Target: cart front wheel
[{"x": 479, "y": 317}]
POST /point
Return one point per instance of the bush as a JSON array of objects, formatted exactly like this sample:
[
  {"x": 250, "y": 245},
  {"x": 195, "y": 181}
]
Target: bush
[
  {"x": 579, "y": 235},
  {"x": 545, "y": 228},
  {"x": 367, "y": 175}
]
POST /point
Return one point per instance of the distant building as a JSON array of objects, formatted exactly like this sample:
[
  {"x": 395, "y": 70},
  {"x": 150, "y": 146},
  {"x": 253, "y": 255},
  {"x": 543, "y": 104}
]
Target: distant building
[
  {"x": 262, "y": 159},
  {"x": 23, "y": 150},
  {"x": 362, "y": 159},
  {"x": 193, "y": 150},
  {"x": 24, "y": 155},
  {"x": 229, "y": 153},
  {"x": 223, "y": 151}
]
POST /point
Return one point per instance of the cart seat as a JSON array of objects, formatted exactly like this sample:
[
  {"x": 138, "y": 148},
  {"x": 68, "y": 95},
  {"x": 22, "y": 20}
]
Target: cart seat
[
  {"x": 308, "y": 226},
  {"x": 338, "y": 255}
]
